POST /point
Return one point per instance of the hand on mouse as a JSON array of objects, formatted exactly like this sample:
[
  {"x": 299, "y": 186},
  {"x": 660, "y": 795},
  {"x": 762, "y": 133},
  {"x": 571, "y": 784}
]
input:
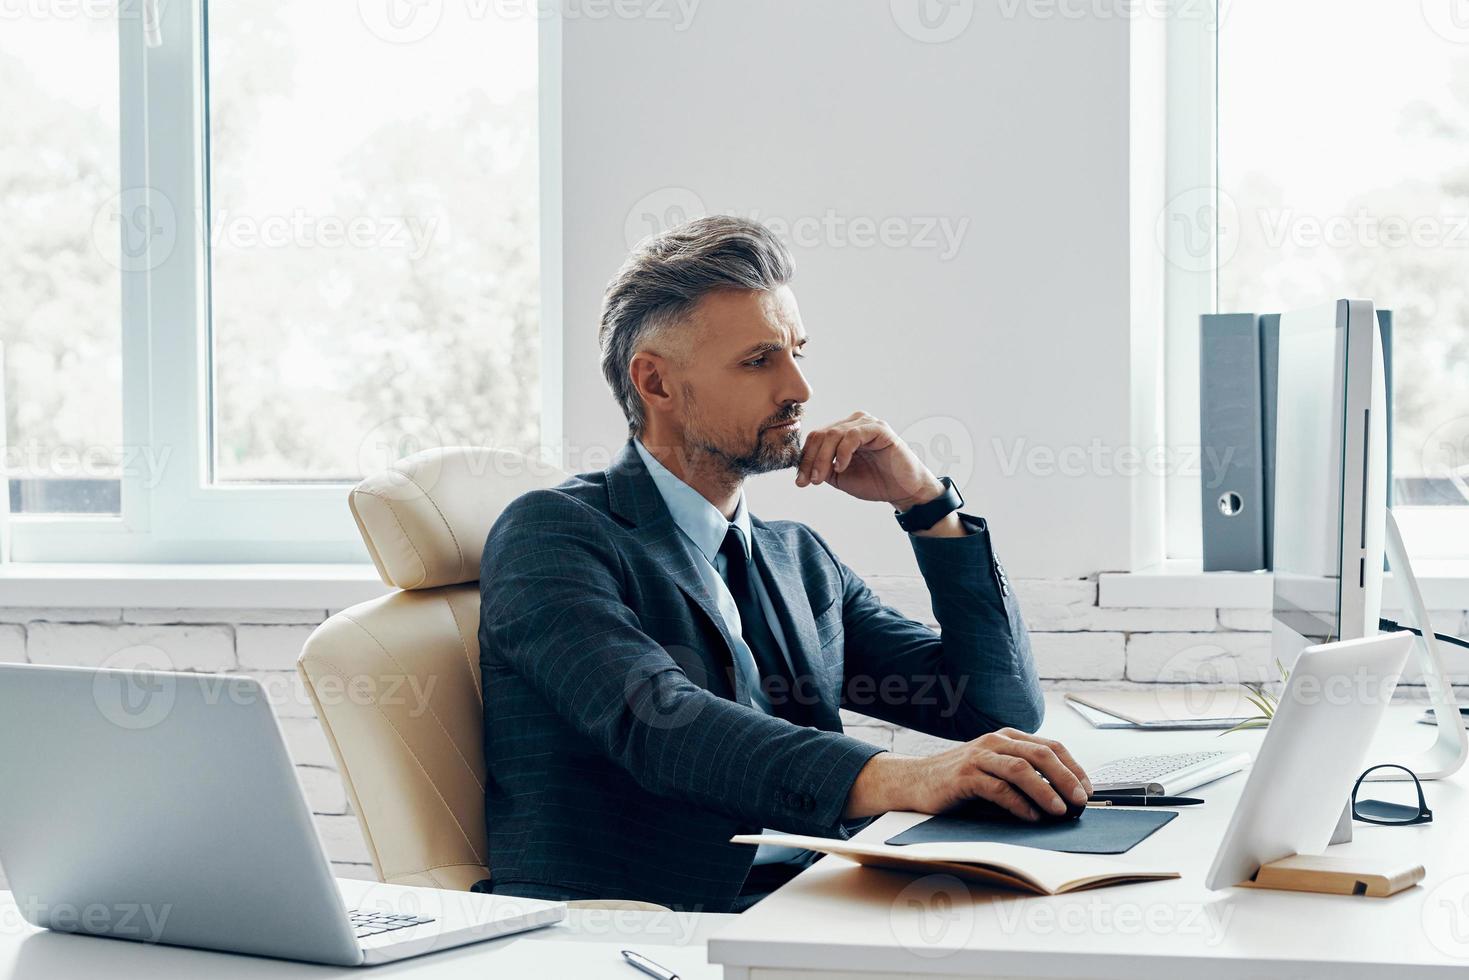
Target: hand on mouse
[{"x": 1025, "y": 774}]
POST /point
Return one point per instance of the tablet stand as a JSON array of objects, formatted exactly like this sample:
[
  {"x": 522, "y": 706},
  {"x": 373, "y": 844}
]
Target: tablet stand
[{"x": 1360, "y": 875}]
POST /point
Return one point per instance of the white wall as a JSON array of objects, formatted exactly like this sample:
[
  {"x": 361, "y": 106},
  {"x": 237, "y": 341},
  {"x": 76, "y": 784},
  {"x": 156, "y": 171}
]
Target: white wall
[{"x": 792, "y": 109}]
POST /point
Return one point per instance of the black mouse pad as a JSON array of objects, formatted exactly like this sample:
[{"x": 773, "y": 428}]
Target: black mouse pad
[{"x": 1100, "y": 830}]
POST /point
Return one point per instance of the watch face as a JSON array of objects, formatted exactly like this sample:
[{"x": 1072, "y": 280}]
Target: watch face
[{"x": 921, "y": 517}]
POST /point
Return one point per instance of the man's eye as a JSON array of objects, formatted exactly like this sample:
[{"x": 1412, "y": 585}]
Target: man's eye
[
  {"x": 798, "y": 355},
  {"x": 757, "y": 362}
]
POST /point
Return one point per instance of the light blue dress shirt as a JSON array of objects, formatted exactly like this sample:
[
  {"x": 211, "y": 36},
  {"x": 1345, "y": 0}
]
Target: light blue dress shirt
[{"x": 704, "y": 527}]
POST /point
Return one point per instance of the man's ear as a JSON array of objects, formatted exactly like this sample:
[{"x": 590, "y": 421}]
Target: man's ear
[{"x": 649, "y": 377}]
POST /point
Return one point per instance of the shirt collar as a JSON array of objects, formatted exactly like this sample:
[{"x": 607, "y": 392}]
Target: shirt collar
[{"x": 694, "y": 515}]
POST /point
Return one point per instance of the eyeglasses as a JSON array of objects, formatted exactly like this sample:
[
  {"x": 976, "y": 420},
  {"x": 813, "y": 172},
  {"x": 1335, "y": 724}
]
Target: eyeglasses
[{"x": 1390, "y": 814}]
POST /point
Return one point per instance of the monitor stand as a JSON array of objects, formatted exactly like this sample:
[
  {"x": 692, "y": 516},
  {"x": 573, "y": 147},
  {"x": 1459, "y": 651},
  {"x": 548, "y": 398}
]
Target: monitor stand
[{"x": 1451, "y": 748}]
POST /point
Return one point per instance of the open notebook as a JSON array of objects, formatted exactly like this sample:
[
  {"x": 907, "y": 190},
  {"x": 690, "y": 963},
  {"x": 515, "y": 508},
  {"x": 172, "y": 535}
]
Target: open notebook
[{"x": 1027, "y": 868}]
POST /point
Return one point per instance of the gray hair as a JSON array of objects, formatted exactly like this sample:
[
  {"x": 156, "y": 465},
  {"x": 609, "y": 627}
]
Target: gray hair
[{"x": 666, "y": 276}]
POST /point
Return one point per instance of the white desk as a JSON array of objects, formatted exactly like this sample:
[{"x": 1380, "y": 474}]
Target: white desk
[
  {"x": 27, "y": 953},
  {"x": 841, "y": 920}
]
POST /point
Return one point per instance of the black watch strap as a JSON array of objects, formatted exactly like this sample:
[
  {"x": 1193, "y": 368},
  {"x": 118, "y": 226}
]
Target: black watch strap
[{"x": 921, "y": 517}]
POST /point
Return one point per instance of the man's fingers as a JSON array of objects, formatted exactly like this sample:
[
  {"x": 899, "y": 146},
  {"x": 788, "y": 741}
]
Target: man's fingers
[
  {"x": 1002, "y": 794},
  {"x": 814, "y": 452},
  {"x": 808, "y": 454},
  {"x": 817, "y": 455},
  {"x": 824, "y": 447},
  {"x": 1060, "y": 751},
  {"x": 847, "y": 448},
  {"x": 821, "y": 465},
  {"x": 1060, "y": 776},
  {"x": 1070, "y": 763},
  {"x": 1020, "y": 773}
]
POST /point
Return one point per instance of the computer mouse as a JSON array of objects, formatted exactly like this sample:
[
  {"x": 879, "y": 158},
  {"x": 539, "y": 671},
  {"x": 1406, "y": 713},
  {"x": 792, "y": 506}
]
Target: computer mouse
[{"x": 981, "y": 809}]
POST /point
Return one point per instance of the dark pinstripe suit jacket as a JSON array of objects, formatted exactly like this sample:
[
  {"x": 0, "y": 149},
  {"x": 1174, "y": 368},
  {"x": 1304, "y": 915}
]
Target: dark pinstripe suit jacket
[{"x": 620, "y": 754}]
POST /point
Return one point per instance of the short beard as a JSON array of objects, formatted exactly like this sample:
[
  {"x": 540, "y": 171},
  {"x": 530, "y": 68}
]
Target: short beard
[{"x": 764, "y": 456}]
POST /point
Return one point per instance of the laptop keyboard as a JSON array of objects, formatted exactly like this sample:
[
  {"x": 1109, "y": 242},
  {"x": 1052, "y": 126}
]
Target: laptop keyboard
[{"x": 371, "y": 923}]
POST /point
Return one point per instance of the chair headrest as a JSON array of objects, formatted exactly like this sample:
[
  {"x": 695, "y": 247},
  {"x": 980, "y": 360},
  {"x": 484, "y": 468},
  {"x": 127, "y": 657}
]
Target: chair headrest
[{"x": 425, "y": 519}]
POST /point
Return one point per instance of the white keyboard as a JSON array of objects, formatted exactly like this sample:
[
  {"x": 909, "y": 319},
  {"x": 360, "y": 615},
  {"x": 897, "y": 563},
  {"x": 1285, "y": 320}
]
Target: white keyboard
[{"x": 1166, "y": 775}]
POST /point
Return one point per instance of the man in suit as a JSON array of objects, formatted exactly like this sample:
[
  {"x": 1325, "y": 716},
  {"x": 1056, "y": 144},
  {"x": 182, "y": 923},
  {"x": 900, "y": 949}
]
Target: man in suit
[{"x": 663, "y": 670}]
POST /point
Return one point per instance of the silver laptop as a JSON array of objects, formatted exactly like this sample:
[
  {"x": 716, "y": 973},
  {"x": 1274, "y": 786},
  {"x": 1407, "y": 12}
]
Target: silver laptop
[{"x": 163, "y": 807}]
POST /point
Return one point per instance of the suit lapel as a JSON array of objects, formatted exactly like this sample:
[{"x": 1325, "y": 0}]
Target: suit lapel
[
  {"x": 782, "y": 572},
  {"x": 633, "y": 497}
]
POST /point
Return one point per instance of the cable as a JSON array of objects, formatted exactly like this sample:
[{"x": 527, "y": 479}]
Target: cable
[{"x": 1388, "y": 626}]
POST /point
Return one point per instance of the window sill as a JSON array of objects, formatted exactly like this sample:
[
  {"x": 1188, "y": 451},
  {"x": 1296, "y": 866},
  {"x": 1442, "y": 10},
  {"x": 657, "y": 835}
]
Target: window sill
[
  {"x": 188, "y": 586},
  {"x": 1182, "y": 584},
  {"x": 1173, "y": 584}
]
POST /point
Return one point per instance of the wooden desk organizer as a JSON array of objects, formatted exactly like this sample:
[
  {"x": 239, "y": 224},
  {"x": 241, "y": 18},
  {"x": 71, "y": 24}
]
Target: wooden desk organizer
[{"x": 1337, "y": 875}]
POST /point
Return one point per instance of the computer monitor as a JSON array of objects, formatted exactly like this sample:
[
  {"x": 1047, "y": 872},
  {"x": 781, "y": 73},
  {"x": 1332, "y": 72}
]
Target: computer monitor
[
  {"x": 1330, "y": 477},
  {"x": 1332, "y": 525}
]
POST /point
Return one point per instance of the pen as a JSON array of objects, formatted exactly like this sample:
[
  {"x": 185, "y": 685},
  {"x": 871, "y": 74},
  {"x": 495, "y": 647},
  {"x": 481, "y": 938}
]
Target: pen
[
  {"x": 648, "y": 966},
  {"x": 1123, "y": 799}
]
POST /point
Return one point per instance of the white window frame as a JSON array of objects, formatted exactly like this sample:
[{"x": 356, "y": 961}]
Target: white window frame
[
  {"x": 1191, "y": 288},
  {"x": 165, "y": 351}
]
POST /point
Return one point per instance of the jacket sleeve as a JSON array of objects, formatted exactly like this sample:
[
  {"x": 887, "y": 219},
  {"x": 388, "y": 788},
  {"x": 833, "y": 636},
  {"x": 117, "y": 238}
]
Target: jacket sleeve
[
  {"x": 973, "y": 676},
  {"x": 553, "y": 610}
]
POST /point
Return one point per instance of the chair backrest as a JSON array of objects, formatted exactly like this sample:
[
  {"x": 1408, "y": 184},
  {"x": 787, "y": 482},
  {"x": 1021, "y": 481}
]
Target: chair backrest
[{"x": 396, "y": 680}]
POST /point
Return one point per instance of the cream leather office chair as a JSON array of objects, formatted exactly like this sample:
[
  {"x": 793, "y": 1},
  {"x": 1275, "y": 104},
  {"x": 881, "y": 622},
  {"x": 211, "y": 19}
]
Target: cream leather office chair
[{"x": 396, "y": 680}]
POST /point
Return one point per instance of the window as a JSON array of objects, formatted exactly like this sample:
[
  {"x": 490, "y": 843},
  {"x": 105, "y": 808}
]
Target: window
[
  {"x": 60, "y": 267},
  {"x": 1337, "y": 167},
  {"x": 373, "y": 238},
  {"x": 317, "y": 249}
]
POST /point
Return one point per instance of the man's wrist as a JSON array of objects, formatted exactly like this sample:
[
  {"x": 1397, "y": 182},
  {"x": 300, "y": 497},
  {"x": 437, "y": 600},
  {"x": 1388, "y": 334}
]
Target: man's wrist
[
  {"x": 918, "y": 514},
  {"x": 933, "y": 491},
  {"x": 879, "y": 787}
]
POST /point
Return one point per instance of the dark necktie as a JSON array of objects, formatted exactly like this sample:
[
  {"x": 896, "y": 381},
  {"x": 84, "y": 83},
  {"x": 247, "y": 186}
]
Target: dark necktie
[{"x": 756, "y": 631}]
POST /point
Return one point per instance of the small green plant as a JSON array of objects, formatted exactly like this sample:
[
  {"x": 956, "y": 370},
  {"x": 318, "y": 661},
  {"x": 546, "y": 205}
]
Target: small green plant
[{"x": 1261, "y": 698}]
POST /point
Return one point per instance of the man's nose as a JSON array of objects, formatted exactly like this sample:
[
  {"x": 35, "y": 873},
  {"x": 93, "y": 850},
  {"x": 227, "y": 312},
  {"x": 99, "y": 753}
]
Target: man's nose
[{"x": 793, "y": 385}]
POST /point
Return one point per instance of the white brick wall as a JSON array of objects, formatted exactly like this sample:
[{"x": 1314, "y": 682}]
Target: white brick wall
[
  {"x": 12, "y": 644},
  {"x": 286, "y": 691},
  {"x": 105, "y": 645},
  {"x": 307, "y": 743},
  {"x": 1256, "y": 620},
  {"x": 270, "y": 647},
  {"x": 1218, "y": 657},
  {"x": 1076, "y": 643},
  {"x": 325, "y": 792},
  {"x": 273, "y": 616},
  {"x": 1079, "y": 656},
  {"x": 25, "y": 614}
]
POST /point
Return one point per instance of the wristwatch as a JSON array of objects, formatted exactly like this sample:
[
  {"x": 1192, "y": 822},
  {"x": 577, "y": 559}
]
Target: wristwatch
[{"x": 921, "y": 517}]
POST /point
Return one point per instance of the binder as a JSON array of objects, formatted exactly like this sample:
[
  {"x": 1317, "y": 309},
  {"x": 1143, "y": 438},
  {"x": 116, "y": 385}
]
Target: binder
[
  {"x": 1269, "y": 392},
  {"x": 1231, "y": 451},
  {"x": 1220, "y": 555}
]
